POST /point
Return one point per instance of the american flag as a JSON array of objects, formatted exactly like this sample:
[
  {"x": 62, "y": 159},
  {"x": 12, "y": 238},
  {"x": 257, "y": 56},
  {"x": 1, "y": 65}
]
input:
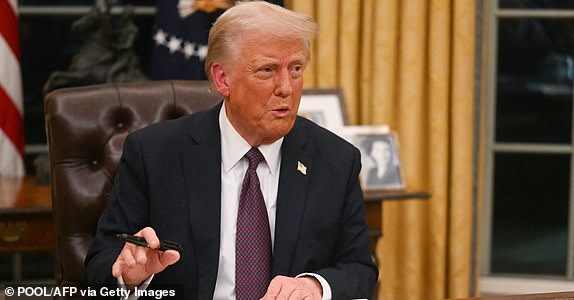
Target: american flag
[
  {"x": 180, "y": 38},
  {"x": 11, "y": 110}
]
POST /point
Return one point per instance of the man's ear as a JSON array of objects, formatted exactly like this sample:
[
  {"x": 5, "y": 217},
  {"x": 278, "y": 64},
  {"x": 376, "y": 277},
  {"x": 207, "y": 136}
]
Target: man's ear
[{"x": 220, "y": 79}]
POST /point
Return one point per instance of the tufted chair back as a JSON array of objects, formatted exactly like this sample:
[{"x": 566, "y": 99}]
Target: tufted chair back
[{"x": 86, "y": 128}]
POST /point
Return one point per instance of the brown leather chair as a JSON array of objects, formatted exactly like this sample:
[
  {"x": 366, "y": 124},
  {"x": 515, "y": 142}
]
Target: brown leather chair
[{"x": 86, "y": 128}]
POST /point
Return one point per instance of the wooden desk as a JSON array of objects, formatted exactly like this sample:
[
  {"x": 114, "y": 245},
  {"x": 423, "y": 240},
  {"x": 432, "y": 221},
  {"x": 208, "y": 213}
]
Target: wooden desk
[
  {"x": 25, "y": 216},
  {"x": 545, "y": 296}
]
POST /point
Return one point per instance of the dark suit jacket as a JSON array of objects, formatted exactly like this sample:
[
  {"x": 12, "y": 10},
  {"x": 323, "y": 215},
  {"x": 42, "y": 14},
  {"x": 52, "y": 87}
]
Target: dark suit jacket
[{"x": 169, "y": 178}]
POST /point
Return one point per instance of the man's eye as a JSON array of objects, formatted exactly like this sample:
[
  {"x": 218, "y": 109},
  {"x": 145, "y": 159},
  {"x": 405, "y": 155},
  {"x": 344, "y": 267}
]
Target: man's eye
[
  {"x": 297, "y": 69},
  {"x": 266, "y": 70}
]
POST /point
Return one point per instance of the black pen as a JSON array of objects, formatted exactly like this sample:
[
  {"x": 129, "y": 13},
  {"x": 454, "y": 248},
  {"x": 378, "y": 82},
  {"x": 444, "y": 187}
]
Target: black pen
[{"x": 140, "y": 241}]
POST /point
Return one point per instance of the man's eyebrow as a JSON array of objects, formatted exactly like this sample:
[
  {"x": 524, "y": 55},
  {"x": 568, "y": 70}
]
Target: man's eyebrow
[
  {"x": 299, "y": 59},
  {"x": 264, "y": 61}
]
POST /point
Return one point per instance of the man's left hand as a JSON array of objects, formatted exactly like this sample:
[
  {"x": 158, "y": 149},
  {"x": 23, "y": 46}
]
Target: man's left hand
[{"x": 282, "y": 287}]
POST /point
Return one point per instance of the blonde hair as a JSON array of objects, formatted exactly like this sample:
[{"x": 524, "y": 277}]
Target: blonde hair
[{"x": 267, "y": 18}]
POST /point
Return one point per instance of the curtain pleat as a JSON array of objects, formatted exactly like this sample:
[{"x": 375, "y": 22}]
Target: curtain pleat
[
  {"x": 349, "y": 59},
  {"x": 327, "y": 15},
  {"x": 439, "y": 87},
  {"x": 461, "y": 102}
]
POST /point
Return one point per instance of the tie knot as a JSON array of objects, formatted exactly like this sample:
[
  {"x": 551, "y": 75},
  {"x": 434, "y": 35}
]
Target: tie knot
[{"x": 254, "y": 157}]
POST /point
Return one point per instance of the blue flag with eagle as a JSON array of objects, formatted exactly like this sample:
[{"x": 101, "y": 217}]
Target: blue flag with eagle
[{"x": 180, "y": 37}]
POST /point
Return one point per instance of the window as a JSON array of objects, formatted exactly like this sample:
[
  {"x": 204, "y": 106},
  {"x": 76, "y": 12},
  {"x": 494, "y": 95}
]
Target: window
[{"x": 528, "y": 224}]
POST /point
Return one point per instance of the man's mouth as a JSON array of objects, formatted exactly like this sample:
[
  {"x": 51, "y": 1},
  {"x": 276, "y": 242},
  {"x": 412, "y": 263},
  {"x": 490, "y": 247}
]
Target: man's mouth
[{"x": 281, "y": 112}]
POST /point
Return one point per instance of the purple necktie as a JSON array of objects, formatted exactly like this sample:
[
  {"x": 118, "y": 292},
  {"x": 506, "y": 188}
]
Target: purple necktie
[{"x": 253, "y": 240}]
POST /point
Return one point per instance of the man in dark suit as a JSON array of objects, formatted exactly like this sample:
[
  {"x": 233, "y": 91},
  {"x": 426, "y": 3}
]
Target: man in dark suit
[{"x": 181, "y": 181}]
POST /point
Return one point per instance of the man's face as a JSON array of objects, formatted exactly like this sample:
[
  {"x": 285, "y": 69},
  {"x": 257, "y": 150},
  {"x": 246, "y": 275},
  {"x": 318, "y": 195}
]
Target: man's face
[{"x": 263, "y": 86}]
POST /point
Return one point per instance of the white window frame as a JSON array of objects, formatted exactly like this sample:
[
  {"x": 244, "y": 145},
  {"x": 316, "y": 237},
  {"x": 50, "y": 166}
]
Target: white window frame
[{"x": 516, "y": 284}]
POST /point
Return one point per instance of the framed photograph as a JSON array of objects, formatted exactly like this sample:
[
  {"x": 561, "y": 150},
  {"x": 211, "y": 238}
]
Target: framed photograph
[
  {"x": 326, "y": 107},
  {"x": 379, "y": 148}
]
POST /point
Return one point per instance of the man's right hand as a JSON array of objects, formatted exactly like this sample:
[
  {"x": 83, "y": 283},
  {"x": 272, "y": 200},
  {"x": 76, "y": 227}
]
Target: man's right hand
[{"x": 135, "y": 263}]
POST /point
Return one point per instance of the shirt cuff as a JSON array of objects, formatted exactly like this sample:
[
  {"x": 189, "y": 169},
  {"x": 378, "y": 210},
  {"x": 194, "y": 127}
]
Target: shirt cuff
[
  {"x": 132, "y": 296},
  {"x": 327, "y": 294}
]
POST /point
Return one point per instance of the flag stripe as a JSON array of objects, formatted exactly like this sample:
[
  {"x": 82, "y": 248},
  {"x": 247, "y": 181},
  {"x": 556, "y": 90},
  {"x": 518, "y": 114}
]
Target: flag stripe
[
  {"x": 10, "y": 75},
  {"x": 11, "y": 121},
  {"x": 14, "y": 4},
  {"x": 11, "y": 104},
  {"x": 9, "y": 26}
]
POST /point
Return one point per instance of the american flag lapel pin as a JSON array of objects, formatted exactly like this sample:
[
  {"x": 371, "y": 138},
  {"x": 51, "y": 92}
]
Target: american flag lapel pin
[{"x": 301, "y": 168}]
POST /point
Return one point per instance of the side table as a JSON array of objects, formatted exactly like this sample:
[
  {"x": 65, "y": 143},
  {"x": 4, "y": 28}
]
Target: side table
[
  {"x": 25, "y": 219},
  {"x": 25, "y": 216}
]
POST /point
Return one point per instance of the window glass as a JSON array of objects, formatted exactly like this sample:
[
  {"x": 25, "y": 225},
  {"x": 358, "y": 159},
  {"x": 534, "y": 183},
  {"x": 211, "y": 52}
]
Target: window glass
[
  {"x": 534, "y": 80},
  {"x": 537, "y": 4},
  {"x": 530, "y": 214},
  {"x": 57, "y": 48}
]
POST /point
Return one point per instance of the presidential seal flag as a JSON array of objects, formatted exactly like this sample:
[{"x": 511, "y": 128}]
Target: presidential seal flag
[
  {"x": 11, "y": 107},
  {"x": 180, "y": 37}
]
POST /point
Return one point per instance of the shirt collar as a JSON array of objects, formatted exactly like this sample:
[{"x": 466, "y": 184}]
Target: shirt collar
[{"x": 236, "y": 147}]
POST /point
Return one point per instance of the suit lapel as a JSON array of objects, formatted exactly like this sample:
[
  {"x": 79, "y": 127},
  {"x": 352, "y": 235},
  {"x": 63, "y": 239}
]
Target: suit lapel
[
  {"x": 202, "y": 173},
  {"x": 290, "y": 199}
]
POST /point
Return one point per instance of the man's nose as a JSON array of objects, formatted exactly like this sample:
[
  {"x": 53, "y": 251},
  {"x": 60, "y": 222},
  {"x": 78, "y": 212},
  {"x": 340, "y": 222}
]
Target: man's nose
[{"x": 283, "y": 86}]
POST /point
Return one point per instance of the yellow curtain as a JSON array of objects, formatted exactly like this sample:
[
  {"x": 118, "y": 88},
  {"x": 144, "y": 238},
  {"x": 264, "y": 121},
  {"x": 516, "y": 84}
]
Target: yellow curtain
[{"x": 410, "y": 64}]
